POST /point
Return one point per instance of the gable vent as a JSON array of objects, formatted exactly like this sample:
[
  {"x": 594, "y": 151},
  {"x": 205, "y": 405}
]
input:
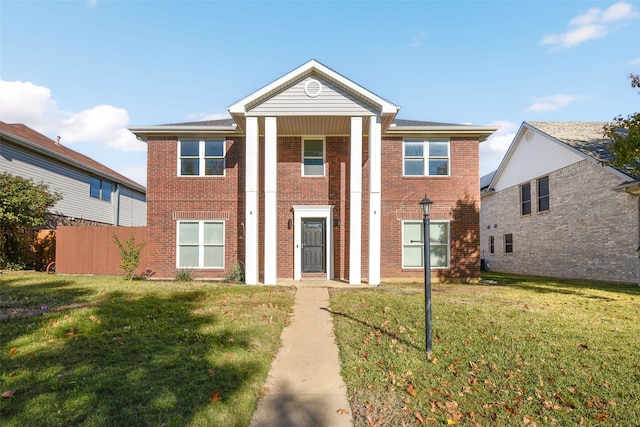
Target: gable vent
[{"x": 312, "y": 88}]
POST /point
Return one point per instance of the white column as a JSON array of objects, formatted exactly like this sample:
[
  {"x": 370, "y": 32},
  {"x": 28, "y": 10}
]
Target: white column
[
  {"x": 375, "y": 198},
  {"x": 355, "y": 203},
  {"x": 251, "y": 208},
  {"x": 270, "y": 201}
]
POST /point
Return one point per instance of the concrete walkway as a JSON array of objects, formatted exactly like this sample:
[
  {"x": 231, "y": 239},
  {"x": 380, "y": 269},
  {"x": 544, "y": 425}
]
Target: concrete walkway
[{"x": 304, "y": 387}]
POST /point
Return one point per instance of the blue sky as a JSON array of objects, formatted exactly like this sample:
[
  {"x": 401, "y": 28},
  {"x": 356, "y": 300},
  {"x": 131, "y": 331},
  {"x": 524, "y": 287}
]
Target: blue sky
[{"x": 85, "y": 70}]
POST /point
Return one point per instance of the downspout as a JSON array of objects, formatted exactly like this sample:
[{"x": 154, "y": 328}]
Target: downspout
[{"x": 117, "y": 222}]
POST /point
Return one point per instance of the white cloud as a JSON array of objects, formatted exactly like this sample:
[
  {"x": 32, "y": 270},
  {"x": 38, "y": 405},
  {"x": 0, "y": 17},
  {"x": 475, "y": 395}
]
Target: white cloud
[
  {"x": 593, "y": 24},
  {"x": 635, "y": 61},
  {"x": 24, "y": 102},
  {"x": 101, "y": 124},
  {"x": 99, "y": 132},
  {"x": 551, "y": 103},
  {"x": 494, "y": 148}
]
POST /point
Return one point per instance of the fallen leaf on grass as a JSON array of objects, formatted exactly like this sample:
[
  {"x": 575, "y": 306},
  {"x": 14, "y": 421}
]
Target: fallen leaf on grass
[
  {"x": 420, "y": 418},
  {"x": 264, "y": 390},
  {"x": 411, "y": 390},
  {"x": 229, "y": 356},
  {"x": 215, "y": 397},
  {"x": 8, "y": 393},
  {"x": 342, "y": 412},
  {"x": 13, "y": 351}
]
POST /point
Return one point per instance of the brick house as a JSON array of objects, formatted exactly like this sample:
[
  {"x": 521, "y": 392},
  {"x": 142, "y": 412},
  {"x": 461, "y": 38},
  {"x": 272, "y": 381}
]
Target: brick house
[
  {"x": 313, "y": 176},
  {"x": 553, "y": 209}
]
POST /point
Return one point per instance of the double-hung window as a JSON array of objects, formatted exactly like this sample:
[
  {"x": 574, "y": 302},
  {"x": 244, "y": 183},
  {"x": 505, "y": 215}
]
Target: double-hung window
[
  {"x": 525, "y": 199},
  {"x": 412, "y": 246},
  {"x": 201, "y": 157},
  {"x": 426, "y": 157},
  {"x": 508, "y": 243},
  {"x": 543, "y": 194},
  {"x": 200, "y": 244},
  {"x": 100, "y": 189},
  {"x": 313, "y": 153}
]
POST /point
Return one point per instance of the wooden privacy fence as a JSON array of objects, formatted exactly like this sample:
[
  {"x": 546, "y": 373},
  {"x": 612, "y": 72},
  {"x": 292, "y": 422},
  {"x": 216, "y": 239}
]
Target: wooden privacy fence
[{"x": 90, "y": 250}]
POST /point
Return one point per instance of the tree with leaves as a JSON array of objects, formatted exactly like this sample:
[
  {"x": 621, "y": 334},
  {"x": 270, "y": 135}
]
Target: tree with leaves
[
  {"x": 23, "y": 204},
  {"x": 625, "y": 136}
]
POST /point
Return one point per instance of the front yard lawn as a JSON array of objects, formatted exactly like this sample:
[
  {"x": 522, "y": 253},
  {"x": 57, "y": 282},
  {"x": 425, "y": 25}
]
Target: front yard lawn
[
  {"x": 524, "y": 351},
  {"x": 100, "y": 351}
]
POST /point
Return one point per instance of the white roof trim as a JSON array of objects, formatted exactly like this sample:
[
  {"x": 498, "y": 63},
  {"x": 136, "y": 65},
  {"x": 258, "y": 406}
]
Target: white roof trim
[
  {"x": 516, "y": 140},
  {"x": 310, "y": 67}
]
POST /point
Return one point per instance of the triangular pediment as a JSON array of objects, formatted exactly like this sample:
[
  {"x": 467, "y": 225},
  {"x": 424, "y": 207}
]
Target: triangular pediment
[{"x": 313, "y": 90}]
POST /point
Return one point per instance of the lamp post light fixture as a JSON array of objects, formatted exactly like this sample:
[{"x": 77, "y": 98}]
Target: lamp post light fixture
[{"x": 425, "y": 204}]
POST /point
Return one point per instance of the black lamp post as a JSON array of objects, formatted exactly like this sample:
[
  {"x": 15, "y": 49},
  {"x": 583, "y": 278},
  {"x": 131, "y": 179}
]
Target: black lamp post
[{"x": 425, "y": 204}]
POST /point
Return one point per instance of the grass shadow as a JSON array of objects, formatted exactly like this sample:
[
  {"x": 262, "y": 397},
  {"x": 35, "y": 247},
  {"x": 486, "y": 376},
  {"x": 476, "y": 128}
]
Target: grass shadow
[
  {"x": 123, "y": 360},
  {"x": 541, "y": 284}
]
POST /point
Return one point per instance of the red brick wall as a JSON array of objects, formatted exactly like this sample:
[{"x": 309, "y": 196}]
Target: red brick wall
[
  {"x": 170, "y": 196},
  {"x": 456, "y": 198}
]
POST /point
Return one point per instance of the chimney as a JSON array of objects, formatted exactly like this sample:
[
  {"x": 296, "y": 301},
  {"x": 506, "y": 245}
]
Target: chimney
[{"x": 58, "y": 140}]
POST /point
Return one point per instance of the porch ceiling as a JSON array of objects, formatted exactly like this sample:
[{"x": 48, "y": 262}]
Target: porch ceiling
[{"x": 314, "y": 125}]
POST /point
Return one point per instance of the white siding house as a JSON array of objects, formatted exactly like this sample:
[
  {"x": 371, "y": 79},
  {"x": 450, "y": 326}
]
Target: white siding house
[{"x": 553, "y": 209}]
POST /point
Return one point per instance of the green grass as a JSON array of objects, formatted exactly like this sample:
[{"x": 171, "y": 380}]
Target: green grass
[
  {"x": 103, "y": 351},
  {"x": 524, "y": 351}
]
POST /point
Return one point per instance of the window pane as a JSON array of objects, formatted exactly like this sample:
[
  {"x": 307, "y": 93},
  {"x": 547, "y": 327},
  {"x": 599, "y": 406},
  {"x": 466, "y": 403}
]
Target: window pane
[
  {"x": 439, "y": 167},
  {"x": 188, "y": 256},
  {"x": 190, "y": 147},
  {"x": 106, "y": 191},
  {"x": 94, "y": 187},
  {"x": 414, "y": 167},
  {"x": 414, "y": 149},
  {"x": 543, "y": 204},
  {"x": 214, "y": 148},
  {"x": 188, "y": 232},
  {"x": 412, "y": 231},
  {"x": 413, "y": 256},
  {"x": 543, "y": 186},
  {"x": 313, "y": 148},
  {"x": 438, "y": 233},
  {"x": 438, "y": 256},
  {"x": 213, "y": 256},
  {"x": 214, "y": 167},
  {"x": 313, "y": 167},
  {"x": 438, "y": 149},
  {"x": 213, "y": 233},
  {"x": 189, "y": 167}
]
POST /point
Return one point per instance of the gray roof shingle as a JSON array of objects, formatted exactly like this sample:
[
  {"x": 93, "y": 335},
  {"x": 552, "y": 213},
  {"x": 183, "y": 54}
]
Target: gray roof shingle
[{"x": 587, "y": 137}]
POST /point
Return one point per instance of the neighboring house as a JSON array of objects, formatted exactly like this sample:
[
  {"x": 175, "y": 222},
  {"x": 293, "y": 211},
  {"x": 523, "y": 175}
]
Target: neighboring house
[
  {"x": 553, "y": 209},
  {"x": 92, "y": 194},
  {"x": 312, "y": 177}
]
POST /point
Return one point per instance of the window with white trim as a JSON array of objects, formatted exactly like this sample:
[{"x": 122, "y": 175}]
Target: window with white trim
[
  {"x": 100, "y": 189},
  {"x": 313, "y": 156},
  {"x": 412, "y": 246},
  {"x": 200, "y": 244},
  {"x": 426, "y": 157},
  {"x": 201, "y": 157}
]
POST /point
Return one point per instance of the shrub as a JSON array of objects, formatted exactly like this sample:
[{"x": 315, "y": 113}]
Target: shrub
[
  {"x": 184, "y": 275},
  {"x": 129, "y": 253}
]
